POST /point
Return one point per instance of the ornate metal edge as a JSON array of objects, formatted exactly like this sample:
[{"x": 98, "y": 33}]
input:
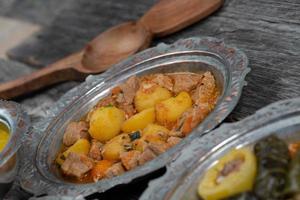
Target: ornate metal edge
[
  {"x": 200, "y": 148},
  {"x": 18, "y": 121},
  {"x": 32, "y": 181}
]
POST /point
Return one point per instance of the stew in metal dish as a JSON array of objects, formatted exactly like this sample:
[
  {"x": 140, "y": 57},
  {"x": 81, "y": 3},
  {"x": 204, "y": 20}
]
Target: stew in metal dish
[{"x": 140, "y": 119}]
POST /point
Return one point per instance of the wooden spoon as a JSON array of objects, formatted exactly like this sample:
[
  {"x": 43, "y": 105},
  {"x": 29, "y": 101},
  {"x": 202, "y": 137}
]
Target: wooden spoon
[{"x": 115, "y": 44}]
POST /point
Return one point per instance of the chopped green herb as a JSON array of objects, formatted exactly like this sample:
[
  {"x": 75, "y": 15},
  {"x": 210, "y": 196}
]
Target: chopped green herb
[{"x": 135, "y": 135}]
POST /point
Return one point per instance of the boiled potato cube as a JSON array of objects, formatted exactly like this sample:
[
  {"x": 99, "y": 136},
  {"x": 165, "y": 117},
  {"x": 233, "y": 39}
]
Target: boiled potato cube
[
  {"x": 139, "y": 144},
  {"x": 139, "y": 121},
  {"x": 155, "y": 133},
  {"x": 171, "y": 109},
  {"x": 154, "y": 128},
  {"x": 113, "y": 148},
  {"x": 147, "y": 98},
  {"x": 106, "y": 122},
  {"x": 81, "y": 146},
  {"x": 60, "y": 159}
]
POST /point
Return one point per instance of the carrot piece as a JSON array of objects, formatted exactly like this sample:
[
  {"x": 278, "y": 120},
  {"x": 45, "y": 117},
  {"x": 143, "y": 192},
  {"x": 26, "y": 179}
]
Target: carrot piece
[
  {"x": 293, "y": 148},
  {"x": 116, "y": 90},
  {"x": 98, "y": 171},
  {"x": 187, "y": 125}
]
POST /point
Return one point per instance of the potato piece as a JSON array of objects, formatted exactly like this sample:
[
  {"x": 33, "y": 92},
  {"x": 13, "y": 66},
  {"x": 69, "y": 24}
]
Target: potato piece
[
  {"x": 147, "y": 98},
  {"x": 82, "y": 146},
  {"x": 60, "y": 159},
  {"x": 139, "y": 121},
  {"x": 139, "y": 144},
  {"x": 106, "y": 122},
  {"x": 154, "y": 128},
  {"x": 155, "y": 132},
  {"x": 170, "y": 110},
  {"x": 116, "y": 146}
]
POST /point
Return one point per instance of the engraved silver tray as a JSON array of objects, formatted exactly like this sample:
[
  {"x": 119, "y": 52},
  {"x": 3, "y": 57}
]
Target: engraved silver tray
[
  {"x": 185, "y": 171},
  {"x": 18, "y": 123},
  {"x": 228, "y": 64}
]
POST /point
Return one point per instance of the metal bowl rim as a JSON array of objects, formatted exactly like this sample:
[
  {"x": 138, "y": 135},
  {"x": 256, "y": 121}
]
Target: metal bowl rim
[
  {"x": 226, "y": 134},
  {"x": 229, "y": 103},
  {"x": 17, "y": 121}
]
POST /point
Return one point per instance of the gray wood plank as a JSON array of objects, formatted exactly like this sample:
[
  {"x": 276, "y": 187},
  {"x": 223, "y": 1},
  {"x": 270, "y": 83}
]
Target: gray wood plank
[
  {"x": 34, "y": 11},
  {"x": 37, "y": 103},
  {"x": 268, "y": 31},
  {"x": 79, "y": 22}
]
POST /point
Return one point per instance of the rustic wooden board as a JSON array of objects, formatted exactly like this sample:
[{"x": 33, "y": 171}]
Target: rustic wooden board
[
  {"x": 34, "y": 11},
  {"x": 13, "y": 32},
  {"x": 267, "y": 30},
  {"x": 75, "y": 26},
  {"x": 37, "y": 103}
]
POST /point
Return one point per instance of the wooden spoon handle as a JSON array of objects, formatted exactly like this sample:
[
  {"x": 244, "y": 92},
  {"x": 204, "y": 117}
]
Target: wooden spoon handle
[
  {"x": 169, "y": 16},
  {"x": 55, "y": 73}
]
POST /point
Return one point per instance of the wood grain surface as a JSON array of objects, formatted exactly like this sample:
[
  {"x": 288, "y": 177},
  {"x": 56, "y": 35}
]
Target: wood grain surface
[{"x": 268, "y": 31}]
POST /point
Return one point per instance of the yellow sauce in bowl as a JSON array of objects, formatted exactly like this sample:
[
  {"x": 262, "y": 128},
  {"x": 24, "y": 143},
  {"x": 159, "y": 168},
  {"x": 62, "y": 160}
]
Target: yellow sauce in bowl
[{"x": 4, "y": 136}]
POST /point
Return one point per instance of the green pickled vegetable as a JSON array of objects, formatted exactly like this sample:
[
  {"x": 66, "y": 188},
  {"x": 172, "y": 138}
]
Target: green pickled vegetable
[
  {"x": 244, "y": 196},
  {"x": 273, "y": 161},
  {"x": 293, "y": 177}
]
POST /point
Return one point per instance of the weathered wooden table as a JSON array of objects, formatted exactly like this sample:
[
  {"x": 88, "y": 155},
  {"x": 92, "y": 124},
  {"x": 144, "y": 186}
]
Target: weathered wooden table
[{"x": 267, "y": 30}]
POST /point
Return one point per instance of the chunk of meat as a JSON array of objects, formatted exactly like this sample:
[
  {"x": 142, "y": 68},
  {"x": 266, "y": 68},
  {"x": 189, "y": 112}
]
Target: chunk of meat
[
  {"x": 121, "y": 96},
  {"x": 77, "y": 165},
  {"x": 185, "y": 82},
  {"x": 130, "y": 159},
  {"x": 146, "y": 156},
  {"x": 158, "y": 147},
  {"x": 95, "y": 150},
  {"x": 176, "y": 133},
  {"x": 74, "y": 132},
  {"x": 129, "y": 89},
  {"x": 163, "y": 81},
  {"x": 205, "y": 93},
  {"x": 192, "y": 118},
  {"x": 106, "y": 101},
  {"x": 128, "y": 109},
  {"x": 115, "y": 170},
  {"x": 231, "y": 166},
  {"x": 139, "y": 144},
  {"x": 159, "y": 136},
  {"x": 204, "y": 96},
  {"x": 172, "y": 141},
  {"x": 147, "y": 86}
]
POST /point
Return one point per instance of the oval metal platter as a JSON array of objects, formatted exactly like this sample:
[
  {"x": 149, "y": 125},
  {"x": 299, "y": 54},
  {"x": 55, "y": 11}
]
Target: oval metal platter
[
  {"x": 228, "y": 64},
  {"x": 185, "y": 171}
]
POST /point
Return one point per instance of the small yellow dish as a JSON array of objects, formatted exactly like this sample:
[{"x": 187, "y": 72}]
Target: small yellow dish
[{"x": 4, "y": 136}]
